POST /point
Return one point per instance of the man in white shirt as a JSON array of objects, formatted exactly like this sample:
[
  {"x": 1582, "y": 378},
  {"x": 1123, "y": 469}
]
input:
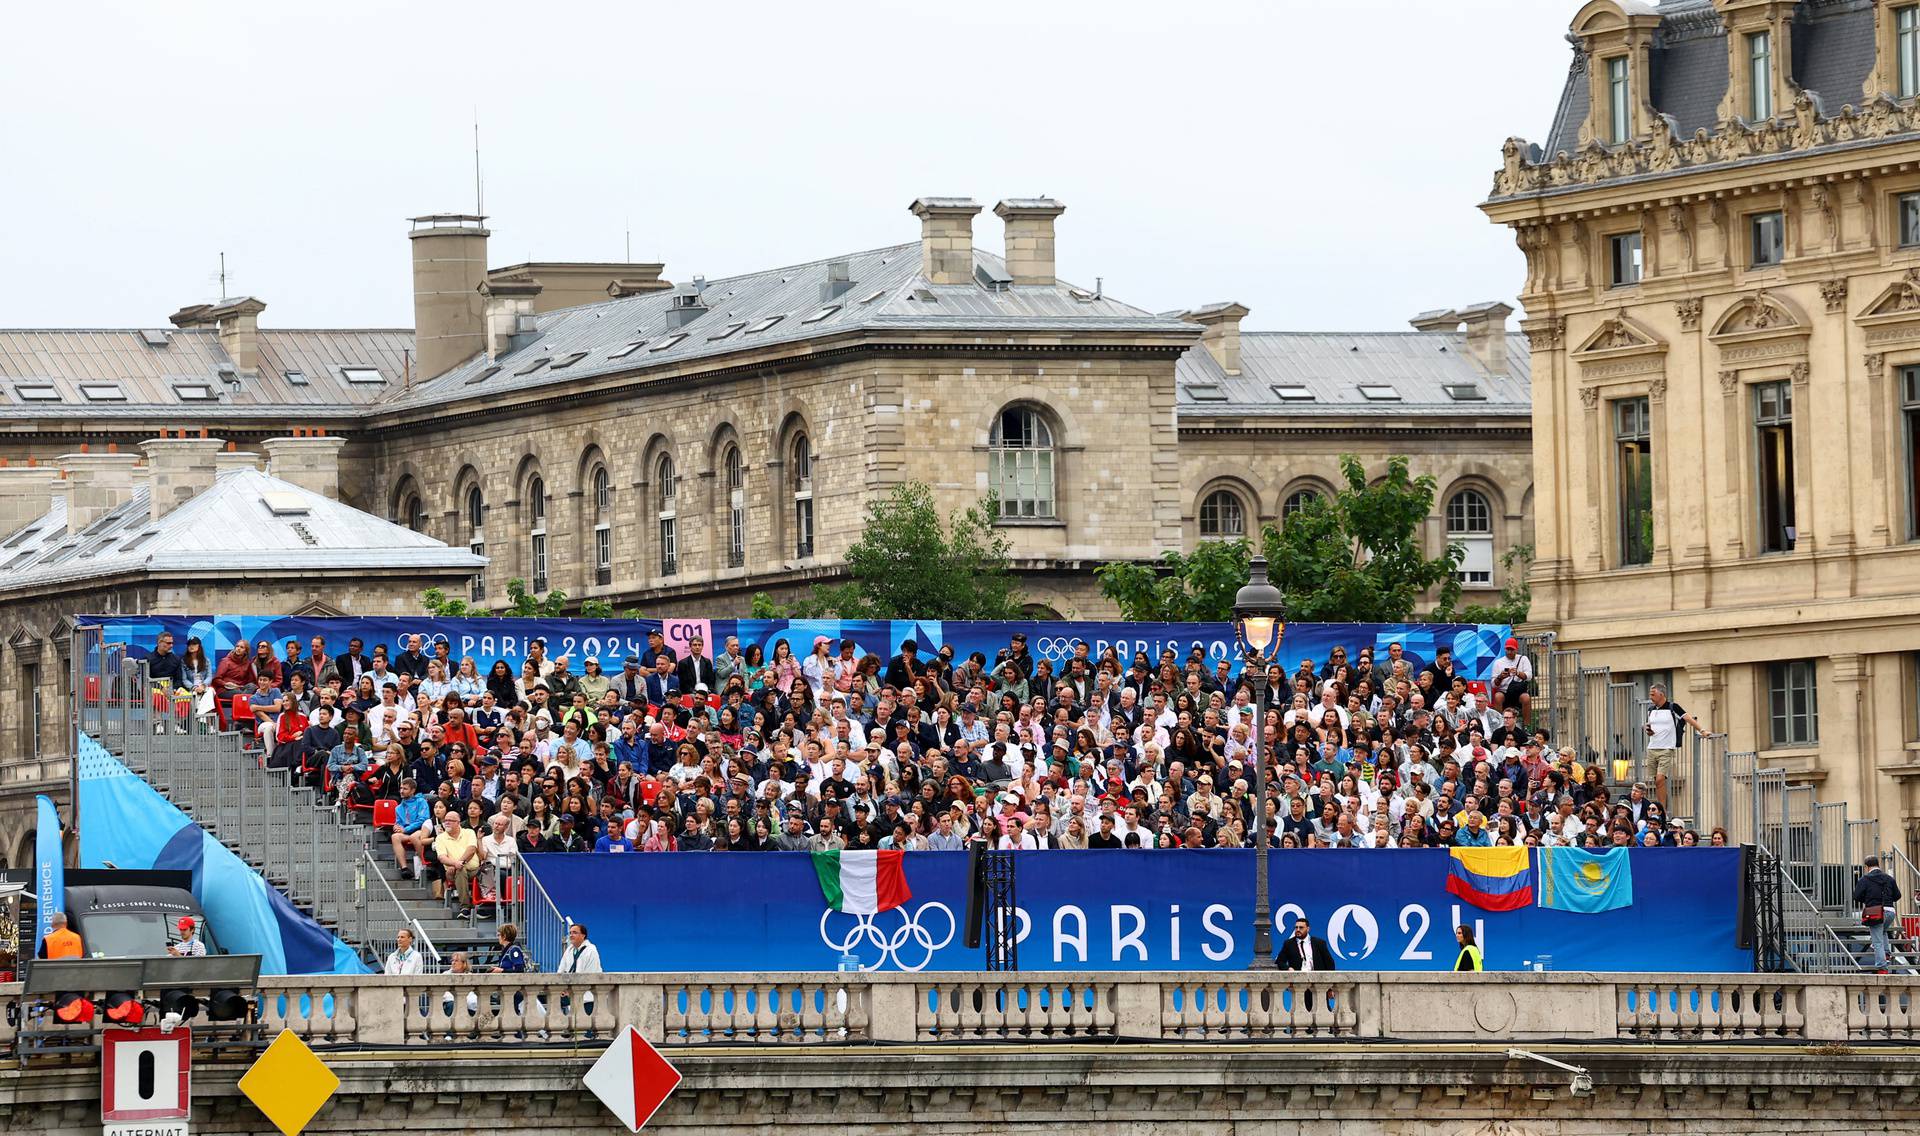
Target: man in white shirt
[
  {"x": 404, "y": 959},
  {"x": 1511, "y": 682},
  {"x": 580, "y": 955}
]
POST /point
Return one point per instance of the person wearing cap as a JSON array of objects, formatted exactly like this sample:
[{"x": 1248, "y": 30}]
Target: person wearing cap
[
  {"x": 593, "y": 682},
  {"x": 1511, "y": 680},
  {"x": 569, "y": 838},
  {"x": 189, "y": 945}
]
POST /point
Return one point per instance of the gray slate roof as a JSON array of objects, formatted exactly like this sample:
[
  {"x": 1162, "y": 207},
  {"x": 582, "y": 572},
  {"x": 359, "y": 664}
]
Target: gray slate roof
[
  {"x": 1832, "y": 54},
  {"x": 226, "y": 529},
  {"x": 154, "y": 374},
  {"x": 1333, "y": 365},
  {"x": 777, "y": 306}
]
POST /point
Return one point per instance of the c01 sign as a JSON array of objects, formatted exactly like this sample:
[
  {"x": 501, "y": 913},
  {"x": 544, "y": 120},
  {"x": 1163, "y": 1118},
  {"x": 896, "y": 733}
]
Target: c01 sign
[{"x": 145, "y": 1128}]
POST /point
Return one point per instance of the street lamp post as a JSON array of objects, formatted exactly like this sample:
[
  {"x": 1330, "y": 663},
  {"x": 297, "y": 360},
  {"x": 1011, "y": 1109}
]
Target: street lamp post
[{"x": 1259, "y": 619}]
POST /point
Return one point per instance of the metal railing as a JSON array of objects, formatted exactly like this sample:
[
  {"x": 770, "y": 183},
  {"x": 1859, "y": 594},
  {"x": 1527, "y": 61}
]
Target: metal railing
[
  {"x": 1813, "y": 947},
  {"x": 382, "y": 916},
  {"x": 543, "y": 929}
]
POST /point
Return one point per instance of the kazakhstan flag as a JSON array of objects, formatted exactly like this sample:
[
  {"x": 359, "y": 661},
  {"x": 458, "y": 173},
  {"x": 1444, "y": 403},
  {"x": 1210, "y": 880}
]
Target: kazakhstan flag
[{"x": 1574, "y": 879}]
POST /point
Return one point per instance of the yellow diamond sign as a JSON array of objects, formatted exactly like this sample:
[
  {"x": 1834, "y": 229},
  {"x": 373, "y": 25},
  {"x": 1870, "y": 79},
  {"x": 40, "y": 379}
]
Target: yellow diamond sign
[{"x": 289, "y": 1083}]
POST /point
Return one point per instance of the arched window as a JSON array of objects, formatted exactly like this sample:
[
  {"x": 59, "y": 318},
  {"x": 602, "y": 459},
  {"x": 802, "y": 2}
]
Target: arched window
[
  {"x": 1470, "y": 524},
  {"x": 537, "y": 511},
  {"x": 1020, "y": 463},
  {"x": 476, "y": 513},
  {"x": 802, "y": 466},
  {"x": 666, "y": 495},
  {"x": 1222, "y": 516},
  {"x": 736, "y": 474},
  {"x": 602, "y": 526},
  {"x": 1296, "y": 501},
  {"x": 416, "y": 514}
]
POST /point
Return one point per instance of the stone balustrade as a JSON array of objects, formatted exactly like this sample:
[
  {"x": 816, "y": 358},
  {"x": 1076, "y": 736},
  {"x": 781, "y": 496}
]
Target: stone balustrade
[{"x": 801, "y": 1009}]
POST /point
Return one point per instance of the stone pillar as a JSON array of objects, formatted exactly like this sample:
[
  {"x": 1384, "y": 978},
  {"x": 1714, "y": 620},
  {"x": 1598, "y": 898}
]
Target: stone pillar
[
  {"x": 946, "y": 238},
  {"x": 26, "y": 493},
  {"x": 1222, "y": 335},
  {"x": 94, "y": 484},
  {"x": 227, "y": 460},
  {"x": 506, "y": 302},
  {"x": 311, "y": 463},
  {"x": 178, "y": 469},
  {"x": 449, "y": 263},
  {"x": 891, "y": 1010},
  {"x": 1846, "y": 733}
]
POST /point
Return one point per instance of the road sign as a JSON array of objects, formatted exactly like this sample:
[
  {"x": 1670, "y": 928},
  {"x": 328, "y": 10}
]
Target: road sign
[
  {"x": 143, "y": 1074},
  {"x": 145, "y": 1128},
  {"x": 632, "y": 1079},
  {"x": 288, "y": 1083}
]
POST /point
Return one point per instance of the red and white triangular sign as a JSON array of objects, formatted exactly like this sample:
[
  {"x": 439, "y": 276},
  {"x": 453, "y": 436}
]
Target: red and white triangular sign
[{"x": 632, "y": 1079}]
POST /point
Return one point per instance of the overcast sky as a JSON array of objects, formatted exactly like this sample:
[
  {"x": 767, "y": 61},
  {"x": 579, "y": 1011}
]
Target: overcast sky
[{"x": 1317, "y": 161}]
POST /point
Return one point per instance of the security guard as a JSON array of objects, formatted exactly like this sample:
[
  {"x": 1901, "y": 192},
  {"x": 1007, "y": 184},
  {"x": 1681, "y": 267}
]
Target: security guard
[
  {"x": 60, "y": 943},
  {"x": 1469, "y": 953}
]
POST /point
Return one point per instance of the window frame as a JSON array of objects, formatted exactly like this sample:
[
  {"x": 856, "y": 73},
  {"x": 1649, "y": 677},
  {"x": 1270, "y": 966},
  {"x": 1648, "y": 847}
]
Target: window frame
[
  {"x": 667, "y": 514},
  {"x": 1906, "y": 51},
  {"x": 1235, "y": 504},
  {"x": 1474, "y": 508},
  {"x": 1619, "y": 263},
  {"x": 1633, "y": 439},
  {"x": 474, "y": 509},
  {"x": 35, "y": 708},
  {"x": 1785, "y": 679},
  {"x": 1299, "y": 501},
  {"x": 734, "y": 469},
  {"x": 1773, "y": 436},
  {"x": 1906, "y": 219},
  {"x": 800, "y": 450},
  {"x": 1776, "y": 254},
  {"x": 1909, "y": 393},
  {"x": 1759, "y": 75},
  {"x": 1029, "y": 463},
  {"x": 537, "y": 531},
  {"x": 1619, "y": 79}
]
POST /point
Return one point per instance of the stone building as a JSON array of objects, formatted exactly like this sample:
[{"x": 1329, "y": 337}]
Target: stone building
[
  {"x": 1722, "y": 243},
  {"x": 592, "y": 428}
]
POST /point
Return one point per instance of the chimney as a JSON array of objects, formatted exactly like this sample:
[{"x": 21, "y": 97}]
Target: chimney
[
  {"x": 94, "y": 485},
  {"x": 449, "y": 314},
  {"x": 946, "y": 238},
  {"x": 1029, "y": 222},
  {"x": 178, "y": 469},
  {"x": 26, "y": 493},
  {"x": 311, "y": 463},
  {"x": 1487, "y": 334},
  {"x": 238, "y": 321},
  {"x": 569, "y": 284},
  {"x": 1222, "y": 335},
  {"x": 1439, "y": 319},
  {"x": 510, "y": 307},
  {"x": 839, "y": 280},
  {"x": 227, "y": 460}
]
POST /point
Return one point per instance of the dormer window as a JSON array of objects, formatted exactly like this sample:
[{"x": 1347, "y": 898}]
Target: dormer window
[
  {"x": 1906, "y": 24},
  {"x": 1619, "y": 102},
  {"x": 1759, "y": 76}
]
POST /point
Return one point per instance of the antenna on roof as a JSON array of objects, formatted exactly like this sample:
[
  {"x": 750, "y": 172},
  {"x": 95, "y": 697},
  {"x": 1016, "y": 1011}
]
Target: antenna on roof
[
  {"x": 479, "y": 198},
  {"x": 221, "y": 278},
  {"x": 628, "y": 259}
]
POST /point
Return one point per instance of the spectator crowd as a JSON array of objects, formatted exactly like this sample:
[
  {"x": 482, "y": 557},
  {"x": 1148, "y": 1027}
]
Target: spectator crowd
[{"x": 464, "y": 765}]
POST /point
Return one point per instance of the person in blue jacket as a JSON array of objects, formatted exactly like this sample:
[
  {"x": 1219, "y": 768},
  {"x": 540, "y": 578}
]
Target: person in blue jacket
[{"x": 410, "y": 817}]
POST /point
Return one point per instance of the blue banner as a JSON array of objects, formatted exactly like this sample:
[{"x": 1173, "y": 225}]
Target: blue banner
[
  {"x": 1128, "y": 910},
  {"x": 49, "y": 867},
  {"x": 1474, "y": 646}
]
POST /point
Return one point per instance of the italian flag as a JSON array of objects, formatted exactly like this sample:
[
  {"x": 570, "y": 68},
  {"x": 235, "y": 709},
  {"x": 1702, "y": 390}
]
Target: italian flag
[{"x": 862, "y": 882}]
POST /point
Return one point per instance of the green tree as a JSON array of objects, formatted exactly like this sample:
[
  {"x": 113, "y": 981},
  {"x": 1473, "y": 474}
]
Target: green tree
[
  {"x": 596, "y": 609},
  {"x": 911, "y": 563},
  {"x": 520, "y": 604},
  {"x": 1355, "y": 557}
]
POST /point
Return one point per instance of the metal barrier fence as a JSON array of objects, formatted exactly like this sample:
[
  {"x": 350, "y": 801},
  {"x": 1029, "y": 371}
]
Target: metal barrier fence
[{"x": 543, "y": 928}]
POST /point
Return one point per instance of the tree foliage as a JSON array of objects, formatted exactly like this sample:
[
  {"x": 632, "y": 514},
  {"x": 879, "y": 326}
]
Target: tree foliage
[
  {"x": 911, "y": 563},
  {"x": 1353, "y": 558},
  {"x": 1516, "y": 595},
  {"x": 520, "y": 604}
]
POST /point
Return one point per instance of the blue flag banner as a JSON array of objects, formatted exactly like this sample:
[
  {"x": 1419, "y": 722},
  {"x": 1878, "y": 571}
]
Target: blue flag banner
[
  {"x": 131, "y": 826},
  {"x": 49, "y": 866},
  {"x": 1474, "y": 646},
  {"x": 1574, "y": 879},
  {"x": 1385, "y": 909}
]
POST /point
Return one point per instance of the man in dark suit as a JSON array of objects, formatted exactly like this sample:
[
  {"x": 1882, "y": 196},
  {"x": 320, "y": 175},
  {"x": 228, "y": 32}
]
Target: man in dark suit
[
  {"x": 1305, "y": 950},
  {"x": 696, "y": 669},
  {"x": 662, "y": 684}
]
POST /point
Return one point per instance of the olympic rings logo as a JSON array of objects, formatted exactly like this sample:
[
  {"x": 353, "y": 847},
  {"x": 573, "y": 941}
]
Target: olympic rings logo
[
  {"x": 1058, "y": 648},
  {"x": 906, "y": 940}
]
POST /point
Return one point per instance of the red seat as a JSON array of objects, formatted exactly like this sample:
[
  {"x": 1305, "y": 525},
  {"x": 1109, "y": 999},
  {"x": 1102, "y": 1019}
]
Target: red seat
[
  {"x": 385, "y": 811},
  {"x": 242, "y": 709},
  {"x": 1477, "y": 687}
]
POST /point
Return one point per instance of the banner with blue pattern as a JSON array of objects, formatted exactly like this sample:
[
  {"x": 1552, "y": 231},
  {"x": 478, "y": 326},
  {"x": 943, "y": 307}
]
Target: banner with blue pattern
[{"x": 1474, "y": 646}]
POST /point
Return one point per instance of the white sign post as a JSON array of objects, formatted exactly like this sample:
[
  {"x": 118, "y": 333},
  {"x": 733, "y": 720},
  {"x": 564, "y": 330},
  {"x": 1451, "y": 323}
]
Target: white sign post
[{"x": 145, "y": 1087}]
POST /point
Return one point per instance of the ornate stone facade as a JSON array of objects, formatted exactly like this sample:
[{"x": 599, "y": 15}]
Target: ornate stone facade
[{"x": 1754, "y": 275}]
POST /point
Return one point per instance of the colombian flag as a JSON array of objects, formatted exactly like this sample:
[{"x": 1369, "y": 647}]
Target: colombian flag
[{"x": 1498, "y": 879}]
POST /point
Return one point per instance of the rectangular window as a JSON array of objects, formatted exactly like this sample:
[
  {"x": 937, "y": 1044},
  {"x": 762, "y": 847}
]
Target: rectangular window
[
  {"x": 1909, "y": 209},
  {"x": 1907, "y": 48},
  {"x": 1633, "y": 449},
  {"x": 478, "y": 546},
  {"x": 1624, "y": 249},
  {"x": 1773, "y": 450},
  {"x": 1760, "y": 76},
  {"x": 1769, "y": 243},
  {"x": 737, "y": 529},
  {"x": 30, "y": 694},
  {"x": 1793, "y": 703},
  {"x": 1910, "y": 420},
  {"x": 540, "y": 562},
  {"x": 1619, "y": 102},
  {"x": 669, "y": 546},
  {"x": 602, "y": 555}
]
